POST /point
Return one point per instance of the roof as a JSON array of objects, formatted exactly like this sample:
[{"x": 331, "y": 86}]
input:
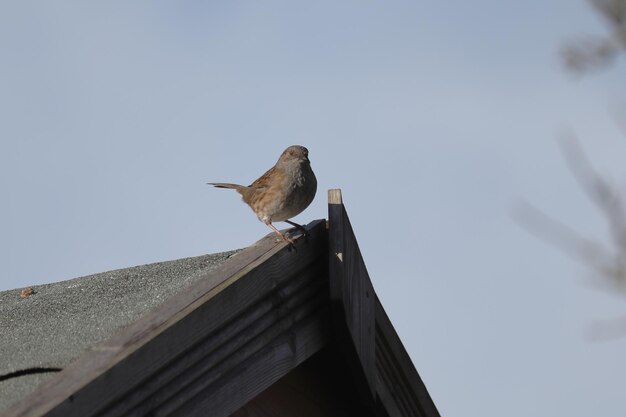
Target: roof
[
  {"x": 60, "y": 321},
  {"x": 237, "y": 337}
]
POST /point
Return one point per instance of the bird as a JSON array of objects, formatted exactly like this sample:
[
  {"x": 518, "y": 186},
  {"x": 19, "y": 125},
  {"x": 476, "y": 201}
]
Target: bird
[{"x": 283, "y": 192}]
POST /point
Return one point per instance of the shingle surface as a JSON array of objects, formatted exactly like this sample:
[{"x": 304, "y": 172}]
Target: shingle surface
[{"x": 60, "y": 321}]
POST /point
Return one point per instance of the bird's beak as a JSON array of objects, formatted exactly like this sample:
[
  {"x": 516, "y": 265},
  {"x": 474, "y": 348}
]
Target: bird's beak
[{"x": 306, "y": 158}]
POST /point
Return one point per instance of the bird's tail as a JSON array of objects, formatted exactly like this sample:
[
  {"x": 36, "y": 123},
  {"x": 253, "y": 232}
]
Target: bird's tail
[{"x": 226, "y": 185}]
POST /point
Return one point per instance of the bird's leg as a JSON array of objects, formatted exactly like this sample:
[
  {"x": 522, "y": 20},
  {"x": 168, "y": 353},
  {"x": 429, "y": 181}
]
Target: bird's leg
[
  {"x": 297, "y": 226},
  {"x": 282, "y": 236}
]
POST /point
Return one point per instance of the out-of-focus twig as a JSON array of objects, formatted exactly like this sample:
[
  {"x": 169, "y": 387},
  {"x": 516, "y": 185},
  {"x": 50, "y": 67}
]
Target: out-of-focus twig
[
  {"x": 606, "y": 197},
  {"x": 608, "y": 261},
  {"x": 547, "y": 228},
  {"x": 618, "y": 114},
  {"x": 607, "y": 329},
  {"x": 610, "y": 200},
  {"x": 593, "y": 53}
]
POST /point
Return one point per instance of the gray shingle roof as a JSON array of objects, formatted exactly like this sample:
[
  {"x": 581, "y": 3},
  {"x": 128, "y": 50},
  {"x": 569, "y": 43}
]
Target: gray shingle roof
[{"x": 60, "y": 321}]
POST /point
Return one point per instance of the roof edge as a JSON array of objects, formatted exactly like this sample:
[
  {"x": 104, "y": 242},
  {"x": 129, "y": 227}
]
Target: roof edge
[{"x": 223, "y": 330}]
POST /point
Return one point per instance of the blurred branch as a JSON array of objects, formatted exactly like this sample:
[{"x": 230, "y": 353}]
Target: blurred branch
[
  {"x": 593, "y": 53},
  {"x": 607, "y": 329},
  {"x": 618, "y": 114},
  {"x": 606, "y": 197},
  {"x": 563, "y": 237},
  {"x": 608, "y": 261}
]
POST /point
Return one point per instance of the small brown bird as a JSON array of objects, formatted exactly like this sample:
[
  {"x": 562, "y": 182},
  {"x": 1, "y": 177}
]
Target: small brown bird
[{"x": 283, "y": 192}]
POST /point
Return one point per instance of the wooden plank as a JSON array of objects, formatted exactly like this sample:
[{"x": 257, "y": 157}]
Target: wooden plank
[
  {"x": 220, "y": 352},
  {"x": 260, "y": 372},
  {"x": 136, "y": 354},
  {"x": 351, "y": 291},
  {"x": 216, "y": 368}
]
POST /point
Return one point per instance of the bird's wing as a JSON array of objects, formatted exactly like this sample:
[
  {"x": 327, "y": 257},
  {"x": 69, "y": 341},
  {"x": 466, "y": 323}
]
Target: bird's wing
[{"x": 262, "y": 182}]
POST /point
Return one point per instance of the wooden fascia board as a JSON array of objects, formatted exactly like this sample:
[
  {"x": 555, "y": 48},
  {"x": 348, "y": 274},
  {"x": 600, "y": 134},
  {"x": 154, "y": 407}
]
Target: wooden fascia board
[
  {"x": 390, "y": 375},
  {"x": 351, "y": 291}
]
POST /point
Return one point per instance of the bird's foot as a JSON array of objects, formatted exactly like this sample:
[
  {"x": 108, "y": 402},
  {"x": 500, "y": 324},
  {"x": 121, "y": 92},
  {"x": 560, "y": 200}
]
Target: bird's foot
[
  {"x": 283, "y": 238},
  {"x": 301, "y": 228}
]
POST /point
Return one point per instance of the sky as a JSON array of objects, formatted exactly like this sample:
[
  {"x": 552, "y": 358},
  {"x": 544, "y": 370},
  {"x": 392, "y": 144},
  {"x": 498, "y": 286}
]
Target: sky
[{"x": 438, "y": 120}]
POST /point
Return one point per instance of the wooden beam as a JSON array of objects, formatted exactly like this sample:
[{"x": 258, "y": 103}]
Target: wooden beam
[
  {"x": 351, "y": 291},
  {"x": 393, "y": 381},
  {"x": 247, "y": 323}
]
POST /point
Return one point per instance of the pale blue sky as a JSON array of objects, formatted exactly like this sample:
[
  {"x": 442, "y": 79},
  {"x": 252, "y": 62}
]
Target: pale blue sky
[{"x": 435, "y": 118}]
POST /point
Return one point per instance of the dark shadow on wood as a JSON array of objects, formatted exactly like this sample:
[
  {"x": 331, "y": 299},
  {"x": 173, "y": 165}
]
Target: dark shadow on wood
[{"x": 321, "y": 386}]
